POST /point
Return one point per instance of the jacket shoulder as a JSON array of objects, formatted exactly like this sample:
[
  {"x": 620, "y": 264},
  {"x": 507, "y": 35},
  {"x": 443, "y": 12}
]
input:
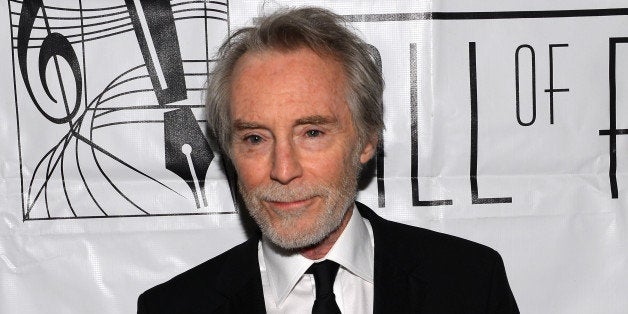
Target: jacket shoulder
[
  {"x": 461, "y": 275},
  {"x": 416, "y": 243},
  {"x": 442, "y": 246},
  {"x": 206, "y": 286}
]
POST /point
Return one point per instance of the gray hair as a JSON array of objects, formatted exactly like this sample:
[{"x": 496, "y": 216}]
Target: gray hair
[{"x": 322, "y": 31}]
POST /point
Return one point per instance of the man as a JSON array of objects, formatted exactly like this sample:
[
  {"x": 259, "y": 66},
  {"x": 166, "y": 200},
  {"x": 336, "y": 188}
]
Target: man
[{"x": 295, "y": 103}]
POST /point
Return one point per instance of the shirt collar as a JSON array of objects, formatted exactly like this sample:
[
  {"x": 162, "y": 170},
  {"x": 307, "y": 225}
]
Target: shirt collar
[{"x": 353, "y": 251}]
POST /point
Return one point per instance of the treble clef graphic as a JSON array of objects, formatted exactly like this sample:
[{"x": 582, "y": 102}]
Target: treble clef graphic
[{"x": 54, "y": 45}]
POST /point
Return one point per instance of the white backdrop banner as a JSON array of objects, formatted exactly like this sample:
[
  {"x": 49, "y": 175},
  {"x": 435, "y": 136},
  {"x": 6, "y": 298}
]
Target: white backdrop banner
[{"x": 506, "y": 125}]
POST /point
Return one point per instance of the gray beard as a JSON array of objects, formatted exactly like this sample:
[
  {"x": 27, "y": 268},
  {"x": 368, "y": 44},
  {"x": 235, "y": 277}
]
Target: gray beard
[{"x": 336, "y": 201}]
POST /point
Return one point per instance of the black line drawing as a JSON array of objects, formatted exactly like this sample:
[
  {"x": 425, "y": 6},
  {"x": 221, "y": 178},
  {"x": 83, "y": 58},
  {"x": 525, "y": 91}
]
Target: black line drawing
[
  {"x": 551, "y": 90},
  {"x": 188, "y": 153},
  {"x": 473, "y": 167},
  {"x": 414, "y": 133},
  {"x": 66, "y": 169},
  {"x": 533, "y": 89},
  {"x": 613, "y": 131}
]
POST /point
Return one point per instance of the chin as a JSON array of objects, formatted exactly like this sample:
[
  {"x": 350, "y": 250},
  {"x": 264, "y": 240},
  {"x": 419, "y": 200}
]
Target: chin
[
  {"x": 294, "y": 241},
  {"x": 302, "y": 236}
]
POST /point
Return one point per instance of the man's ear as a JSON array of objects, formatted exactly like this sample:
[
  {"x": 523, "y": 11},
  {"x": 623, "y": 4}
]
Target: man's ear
[{"x": 368, "y": 151}]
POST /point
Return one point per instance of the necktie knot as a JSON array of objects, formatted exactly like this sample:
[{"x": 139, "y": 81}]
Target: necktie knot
[{"x": 324, "y": 275}]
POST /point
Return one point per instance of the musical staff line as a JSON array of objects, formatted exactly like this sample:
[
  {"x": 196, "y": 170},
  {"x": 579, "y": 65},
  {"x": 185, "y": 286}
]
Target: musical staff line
[
  {"x": 72, "y": 9},
  {"x": 138, "y": 122},
  {"x": 89, "y": 17},
  {"x": 124, "y": 19}
]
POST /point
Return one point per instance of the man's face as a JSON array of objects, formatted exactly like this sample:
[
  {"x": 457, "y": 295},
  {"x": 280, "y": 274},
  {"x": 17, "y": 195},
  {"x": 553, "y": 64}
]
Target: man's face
[{"x": 294, "y": 145}]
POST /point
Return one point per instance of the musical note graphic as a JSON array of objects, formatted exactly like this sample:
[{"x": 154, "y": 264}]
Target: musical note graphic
[
  {"x": 100, "y": 152},
  {"x": 54, "y": 45}
]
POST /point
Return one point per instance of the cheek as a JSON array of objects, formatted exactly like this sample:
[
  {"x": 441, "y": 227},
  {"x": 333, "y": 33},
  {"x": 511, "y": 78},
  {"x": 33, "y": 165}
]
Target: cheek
[
  {"x": 329, "y": 166},
  {"x": 251, "y": 172}
]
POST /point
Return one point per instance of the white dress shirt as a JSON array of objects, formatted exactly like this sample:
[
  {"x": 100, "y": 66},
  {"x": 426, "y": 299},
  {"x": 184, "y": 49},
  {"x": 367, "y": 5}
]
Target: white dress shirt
[{"x": 287, "y": 289}]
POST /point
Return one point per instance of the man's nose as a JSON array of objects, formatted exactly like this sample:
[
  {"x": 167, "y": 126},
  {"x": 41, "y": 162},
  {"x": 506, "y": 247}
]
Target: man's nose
[{"x": 286, "y": 165}]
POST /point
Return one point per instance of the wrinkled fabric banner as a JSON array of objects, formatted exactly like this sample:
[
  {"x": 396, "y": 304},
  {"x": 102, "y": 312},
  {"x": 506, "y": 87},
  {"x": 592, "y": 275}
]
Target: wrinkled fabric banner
[{"x": 506, "y": 125}]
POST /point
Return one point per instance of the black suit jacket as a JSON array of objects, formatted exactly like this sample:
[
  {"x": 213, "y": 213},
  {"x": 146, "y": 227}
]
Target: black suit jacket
[{"x": 416, "y": 271}]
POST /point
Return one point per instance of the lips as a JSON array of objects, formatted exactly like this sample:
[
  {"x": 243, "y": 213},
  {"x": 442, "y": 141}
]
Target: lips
[{"x": 292, "y": 204}]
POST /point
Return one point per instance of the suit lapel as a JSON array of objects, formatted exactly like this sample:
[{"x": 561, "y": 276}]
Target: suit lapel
[
  {"x": 250, "y": 299},
  {"x": 242, "y": 283},
  {"x": 399, "y": 284}
]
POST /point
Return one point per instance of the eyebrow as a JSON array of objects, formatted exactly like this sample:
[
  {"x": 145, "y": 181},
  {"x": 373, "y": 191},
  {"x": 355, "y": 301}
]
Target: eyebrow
[
  {"x": 240, "y": 125},
  {"x": 317, "y": 120}
]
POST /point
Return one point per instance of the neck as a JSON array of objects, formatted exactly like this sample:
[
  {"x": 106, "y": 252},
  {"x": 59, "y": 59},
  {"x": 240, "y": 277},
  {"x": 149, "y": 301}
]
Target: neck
[{"x": 321, "y": 249}]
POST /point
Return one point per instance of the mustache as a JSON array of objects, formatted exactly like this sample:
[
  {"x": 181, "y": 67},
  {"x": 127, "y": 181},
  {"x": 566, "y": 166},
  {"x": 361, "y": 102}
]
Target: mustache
[{"x": 276, "y": 192}]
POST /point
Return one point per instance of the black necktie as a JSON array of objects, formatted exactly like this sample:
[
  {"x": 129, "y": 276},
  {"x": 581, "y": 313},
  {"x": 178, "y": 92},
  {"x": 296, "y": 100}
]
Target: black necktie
[{"x": 324, "y": 275}]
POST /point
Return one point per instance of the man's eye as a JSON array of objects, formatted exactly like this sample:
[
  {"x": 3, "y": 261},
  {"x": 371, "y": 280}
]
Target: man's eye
[
  {"x": 253, "y": 139},
  {"x": 313, "y": 133}
]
